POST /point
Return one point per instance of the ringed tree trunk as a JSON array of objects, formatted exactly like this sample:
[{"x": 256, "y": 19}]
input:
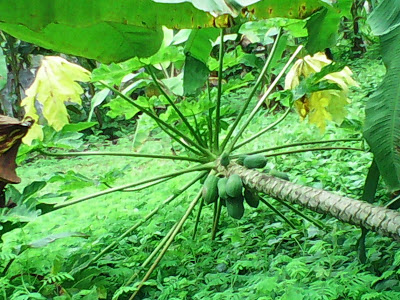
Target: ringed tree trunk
[{"x": 379, "y": 219}]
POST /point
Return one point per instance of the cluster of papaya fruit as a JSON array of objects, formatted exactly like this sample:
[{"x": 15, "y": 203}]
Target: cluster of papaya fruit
[
  {"x": 232, "y": 194},
  {"x": 231, "y": 191}
]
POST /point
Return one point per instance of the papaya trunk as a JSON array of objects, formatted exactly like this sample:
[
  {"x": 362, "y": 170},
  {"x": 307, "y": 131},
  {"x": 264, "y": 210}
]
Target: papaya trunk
[{"x": 379, "y": 219}]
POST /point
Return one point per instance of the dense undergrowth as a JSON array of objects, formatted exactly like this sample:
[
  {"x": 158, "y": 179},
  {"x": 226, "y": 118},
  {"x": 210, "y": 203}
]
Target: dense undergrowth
[{"x": 258, "y": 257}]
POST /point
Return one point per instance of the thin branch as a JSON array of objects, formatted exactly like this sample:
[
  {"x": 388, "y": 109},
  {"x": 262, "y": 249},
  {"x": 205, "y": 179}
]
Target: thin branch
[
  {"x": 180, "y": 141},
  {"x": 157, "y": 119},
  {"x": 301, "y": 214},
  {"x": 302, "y": 144},
  {"x": 130, "y": 185},
  {"x": 167, "y": 245},
  {"x": 219, "y": 90},
  {"x": 139, "y": 155},
  {"x": 139, "y": 223},
  {"x": 253, "y": 91},
  {"x": 216, "y": 220},
  {"x": 278, "y": 212},
  {"x": 314, "y": 149},
  {"x": 180, "y": 114},
  {"x": 152, "y": 254},
  {"x": 261, "y": 101},
  {"x": 209, "y": 119},
  {"x": 196, "y": 224},
  {"x": 245, "y": 142}
]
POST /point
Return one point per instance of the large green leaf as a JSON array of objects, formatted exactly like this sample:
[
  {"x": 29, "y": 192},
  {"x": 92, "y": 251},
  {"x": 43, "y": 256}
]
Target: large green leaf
[
  {"x": 197, "y": 50},
  {"x": 113, "y": 31},
  {"x": 323, "y": 25},
  {"x": 382, "y": 123},
  {"x": 100, "y": 29}
]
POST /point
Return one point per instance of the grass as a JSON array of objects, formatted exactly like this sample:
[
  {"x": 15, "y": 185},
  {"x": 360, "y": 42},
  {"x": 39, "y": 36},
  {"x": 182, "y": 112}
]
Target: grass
[{"x": 258, "y": 257}]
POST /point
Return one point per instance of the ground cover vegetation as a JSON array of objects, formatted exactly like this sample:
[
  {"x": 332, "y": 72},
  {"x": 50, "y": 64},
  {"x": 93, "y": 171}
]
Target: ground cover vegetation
[{"x": 218, "y": 159}]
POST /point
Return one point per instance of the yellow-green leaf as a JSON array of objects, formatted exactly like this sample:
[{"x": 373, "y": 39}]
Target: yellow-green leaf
[
  {"x": 321, "y": 106},
  {"x": 54, "y": 85}
]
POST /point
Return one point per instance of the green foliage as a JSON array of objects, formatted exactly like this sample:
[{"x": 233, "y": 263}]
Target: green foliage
[
  {"x": 252, "y": 256},
  {"x": 382, "y": 121}
]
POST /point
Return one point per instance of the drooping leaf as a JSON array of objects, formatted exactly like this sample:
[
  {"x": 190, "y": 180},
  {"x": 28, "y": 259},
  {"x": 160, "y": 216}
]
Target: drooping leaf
[
  {"x": 195, "y": 75},
  {"x": 197, "y": 50},
  {"x": 97, "y": 99},
  {"x": 320, "y": 89},
  {"x": 55, "y": 84},
  {"x": 323, "y": 26},
  {"x": 382, "y": 121}
]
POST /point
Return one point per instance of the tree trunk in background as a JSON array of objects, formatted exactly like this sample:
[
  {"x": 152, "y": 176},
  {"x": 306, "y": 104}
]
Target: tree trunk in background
[
  {"x": 358, "y": 42},
  {"x": 379, "y": 219}
]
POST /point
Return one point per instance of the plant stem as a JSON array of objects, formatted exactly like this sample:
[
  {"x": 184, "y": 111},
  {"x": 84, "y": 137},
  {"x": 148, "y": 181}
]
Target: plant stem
[
  {"x": 180, "y": 114},
  {"x": 313, "y": 149},
  {"x": 157, "y": 119},
  {"x": 261, "y": 101},
  {"x": 302, "y": 144},
  {"x": 253, "y": 91},
  {"x": 142, "y": 187},
  {"x": 196, "y": 224},
  {"x": 139, "y": 155},
  {"x": 139, "y": 223},
  {"x": 179, "y": 141},
  {"x": 216, "y": 220},
  {"x": 209, "y": 119},
  {"x": 277, "y": 212},
  {"x": 263, "y": 131},
  {"x": 168, "y": 244},
  {"x": 219, "y": 90},
  {"x": 151, "y": 256},
  {"x": 301, "y": 214},
  {"x": 123, "y": 187}
]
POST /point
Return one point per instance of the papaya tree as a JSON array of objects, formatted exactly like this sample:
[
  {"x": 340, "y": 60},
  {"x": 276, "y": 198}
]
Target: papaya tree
[{"x": 132, "y": 36}]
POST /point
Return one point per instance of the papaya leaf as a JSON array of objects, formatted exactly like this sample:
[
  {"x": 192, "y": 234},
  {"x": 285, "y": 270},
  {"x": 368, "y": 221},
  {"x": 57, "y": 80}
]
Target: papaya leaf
[
  {"x": 320, "y": 89},
  {"x": 114, "y": 31},
  {"x": 323, "y": 26},
  {"x": 55, "y": 84},
  {"x": 382, "y": 121},
  {"x": 197, "y": 50},
  {"x": 195, "y": 75}
]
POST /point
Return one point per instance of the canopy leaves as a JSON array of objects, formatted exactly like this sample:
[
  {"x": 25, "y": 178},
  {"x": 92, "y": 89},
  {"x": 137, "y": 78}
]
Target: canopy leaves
[{"x": 113, "y": 31}]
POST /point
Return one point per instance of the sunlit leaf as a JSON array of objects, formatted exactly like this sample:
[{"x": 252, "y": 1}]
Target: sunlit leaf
[
  {"x": 319, "y": 102},
  {"x": 55, "y": 84}
]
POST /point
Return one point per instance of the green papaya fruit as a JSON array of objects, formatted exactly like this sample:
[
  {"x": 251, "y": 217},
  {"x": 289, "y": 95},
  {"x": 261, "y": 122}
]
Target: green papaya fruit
[
  {"x": 240, "y": 159},
  {"x": 251, "y": 197},
  {"x": 281, "y": 175},
  {"x": 256, "y": 161},
  {"x": 235, "y": 207},
  {"x": 223, "y": 201},
  {"x": 225, "y": 159},
  {"x": 234, "y": 186},
  {"x": 210, "y": 189},
  {"x": 222, "y": 188}
]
